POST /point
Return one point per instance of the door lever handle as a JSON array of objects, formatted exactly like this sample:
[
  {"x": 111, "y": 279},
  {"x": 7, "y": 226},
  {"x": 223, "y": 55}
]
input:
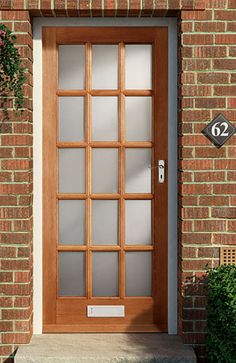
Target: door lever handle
[{"x": 161, "y": 171}]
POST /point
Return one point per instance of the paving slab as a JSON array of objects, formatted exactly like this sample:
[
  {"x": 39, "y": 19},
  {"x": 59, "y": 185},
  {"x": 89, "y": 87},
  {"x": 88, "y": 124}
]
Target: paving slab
[{"x": 105, "y": 348}]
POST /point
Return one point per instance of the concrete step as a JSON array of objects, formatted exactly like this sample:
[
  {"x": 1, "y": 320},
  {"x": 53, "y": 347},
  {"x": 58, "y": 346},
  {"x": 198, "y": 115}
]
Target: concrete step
[{"x": 105, "y": 348}]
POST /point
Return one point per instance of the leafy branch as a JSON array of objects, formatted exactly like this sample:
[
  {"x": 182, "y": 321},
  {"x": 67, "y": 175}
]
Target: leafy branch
[{"x": 11, "y": 72}]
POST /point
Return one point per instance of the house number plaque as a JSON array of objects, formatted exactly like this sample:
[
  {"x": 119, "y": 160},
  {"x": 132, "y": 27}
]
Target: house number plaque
[{"x": 219, "y": 130}]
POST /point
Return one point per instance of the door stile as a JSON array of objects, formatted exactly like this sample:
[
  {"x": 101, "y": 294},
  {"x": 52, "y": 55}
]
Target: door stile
[
  {"x": 49, "y": 158},
  {"x": 160, "y": 123}
]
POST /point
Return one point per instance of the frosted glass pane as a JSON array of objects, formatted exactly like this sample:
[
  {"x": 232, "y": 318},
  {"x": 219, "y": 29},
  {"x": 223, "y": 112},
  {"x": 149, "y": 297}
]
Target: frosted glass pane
[
  {"x": 138, "y": 229},
  {"x": 105, "y": 170},
  {"x": 71, "y": 273},
  {"x": 138, "y": 273},
  {"x": 138, "y": 118},
  {"x": 105, "y": 67},
  {"x": 138, "y": 171},
  {"x": 138, "y": 66},
  {"x": 71, "y": 66},
  {"x": 71, "y": 118},
  {"x": 105, "y": 222},
  {"x": 105, "y": 274},
  {"x": 72, "y": 170},
  {"x": 71, "y": 222},
  {"x": 104, "y": 118}
]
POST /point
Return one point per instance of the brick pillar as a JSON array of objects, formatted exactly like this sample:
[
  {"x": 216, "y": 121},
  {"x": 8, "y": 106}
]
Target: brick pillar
[
  {"x": 16, "y": 203},
  {"x": 207, "y": 175}
]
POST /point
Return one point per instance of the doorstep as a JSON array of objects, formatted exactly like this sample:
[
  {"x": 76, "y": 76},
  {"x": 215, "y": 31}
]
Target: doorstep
[{"x": 105, "y": 348}]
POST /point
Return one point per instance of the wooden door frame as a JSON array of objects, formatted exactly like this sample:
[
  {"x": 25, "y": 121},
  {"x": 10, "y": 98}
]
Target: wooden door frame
[{"x": 56, "y": 35}]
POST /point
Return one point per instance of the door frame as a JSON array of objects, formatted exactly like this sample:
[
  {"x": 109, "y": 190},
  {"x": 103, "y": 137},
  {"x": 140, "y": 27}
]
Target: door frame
[{"x": 172, "y": 182}]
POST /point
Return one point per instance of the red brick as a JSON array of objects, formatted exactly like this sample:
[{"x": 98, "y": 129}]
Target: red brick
[
  {"x": 6, "y": 152},
  {"x": 227, "y": 164},
  {"x": 224, "y": 189},
  {"x": 208, "y": 252},
  {"x": 209, "y": 152},
  {"x": 210, "y": 52},
  {"x": 6, "y": 276},
  {"x": 195, "y": 39},
  {"x": 194, "y": 265},
  {"x": 6, "y": 326},
  {"x": 20, "y": 277},
  {"x": 232, "y": 226},
  {"x": 17, "y": 338},
  {"x": 196, "y": 164},
  {"x": 224, "y": 64},
  {"x": 8, "y": 200},
  {"x": 224, "y": 239},
  {"x": 210, "y": 226},
  {"x": 209, "y": 176},
  {"x": 224, "y": 212},
  {"x": 231, "y": 102},
  {"x": 213, "y": 78},
  {"x": 210, "y": 103},
  {"x": 225, "y": 15},
  {"x": 194, "y": 213},
  {"x": 209, "y": 26},
  {"x": 196, "y": 189}
]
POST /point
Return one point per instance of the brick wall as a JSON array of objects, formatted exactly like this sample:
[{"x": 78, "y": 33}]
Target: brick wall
[
  {"x": 16, "y": 203},
  {"x": 207, "y": 191},
  {"x": 207, "y": 175}
]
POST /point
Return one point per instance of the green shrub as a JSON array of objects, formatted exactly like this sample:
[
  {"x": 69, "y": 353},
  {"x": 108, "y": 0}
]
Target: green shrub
[{"x": 221, "y": 315}]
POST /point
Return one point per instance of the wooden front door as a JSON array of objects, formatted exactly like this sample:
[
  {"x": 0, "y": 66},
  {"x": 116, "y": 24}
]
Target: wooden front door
[{"x": 104, "y": 201}]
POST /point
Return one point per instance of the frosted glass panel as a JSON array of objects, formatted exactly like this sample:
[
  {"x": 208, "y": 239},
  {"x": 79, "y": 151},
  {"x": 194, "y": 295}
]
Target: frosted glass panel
[
  {"x": 104, "y": 118},
  {"x": 138, "y": 171},
  {"x": 105, "y": 67},
  {"x": 71, "y": 273},
  {"x": 138, "y": 273},
  {"x": 72, "y": 170},
  {"x": 138, "y": 118},
  {"x": 71, "y": 66},
  {"x": 105, "y": 170},
  {"x": 71, "y": 222},
  {"x": 71, "y": 118},
  {"x": 105, "y": 222},
  {"x": 138, "y": 222},
  {"x": 138, "y": 66},
  {"x": 105, "y": 274}
]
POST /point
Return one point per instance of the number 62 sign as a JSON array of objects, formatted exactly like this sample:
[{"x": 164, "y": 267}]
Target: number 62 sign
[{"x": 219, "y": 130}]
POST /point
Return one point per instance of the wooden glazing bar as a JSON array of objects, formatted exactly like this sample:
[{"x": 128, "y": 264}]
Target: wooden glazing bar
[
  {"x": 71, "y": 144},
  {"x": 88, "y": 84},
  {"x": 138, "y": 144},
  {"x": 93, "y": 92},
  {"x": 138, "y": 247},
  {"x": 63, "y": 196},
  {"x": 61, "y": 247},
  {"x": 122, "y": 170},
  {"x": 107, "y": 93},
  {"x": 104, "y": 248},
  {"x": 138, "y": 196},
  {"x": 104, "y": 144},
  {"x": 71, "y": 93},
  {"x": 105, "y": 196},
  {"x": 136, "y": 93}
]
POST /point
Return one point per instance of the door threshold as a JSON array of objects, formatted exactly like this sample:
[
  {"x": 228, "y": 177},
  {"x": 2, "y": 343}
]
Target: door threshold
[
  {"x": 105, "y": 348},
  {"x": 104, "y": 328}
]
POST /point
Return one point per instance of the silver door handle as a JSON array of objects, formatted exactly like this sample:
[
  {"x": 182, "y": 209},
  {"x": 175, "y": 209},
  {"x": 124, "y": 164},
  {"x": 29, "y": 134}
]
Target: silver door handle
[{"x": 161, "y": 171}]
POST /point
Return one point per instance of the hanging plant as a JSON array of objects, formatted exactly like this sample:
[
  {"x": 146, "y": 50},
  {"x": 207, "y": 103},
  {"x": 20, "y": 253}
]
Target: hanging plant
[{"x": 11, "y": 72}]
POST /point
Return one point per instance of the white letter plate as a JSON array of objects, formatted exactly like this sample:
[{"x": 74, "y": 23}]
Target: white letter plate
[{"x": 106, "y": 311}]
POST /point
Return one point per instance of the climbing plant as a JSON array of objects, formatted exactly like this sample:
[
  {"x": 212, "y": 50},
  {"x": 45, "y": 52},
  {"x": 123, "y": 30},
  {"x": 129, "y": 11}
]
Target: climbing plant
[{"x": 11, "y": 72}]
